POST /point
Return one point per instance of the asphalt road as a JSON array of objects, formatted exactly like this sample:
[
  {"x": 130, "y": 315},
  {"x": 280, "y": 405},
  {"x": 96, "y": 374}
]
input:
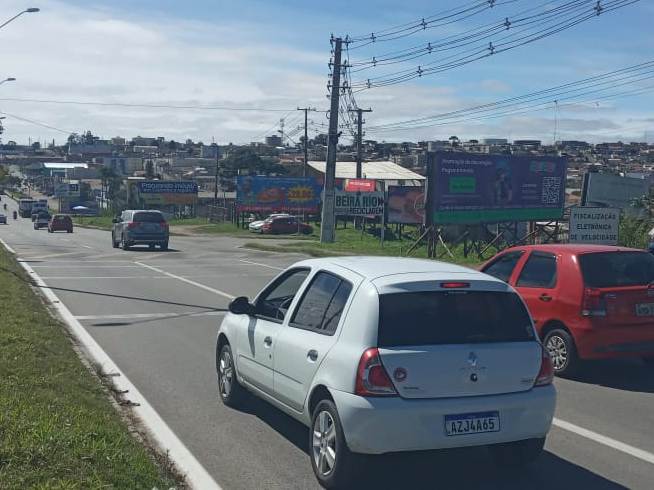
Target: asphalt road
[{"x": 156, "y": 314}]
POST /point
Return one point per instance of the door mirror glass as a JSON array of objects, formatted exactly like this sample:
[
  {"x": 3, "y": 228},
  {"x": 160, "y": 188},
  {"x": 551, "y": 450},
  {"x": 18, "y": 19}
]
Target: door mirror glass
[
  {"x": 241, "y": 306},
  {"x": 115, "y": 220}
]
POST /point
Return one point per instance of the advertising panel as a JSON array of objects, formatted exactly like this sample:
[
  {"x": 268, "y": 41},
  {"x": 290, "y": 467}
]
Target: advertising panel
[
  {"x": 475, "y": 188},
  {"x": 406, "y": 205},
  {"x": 269, "y": 194},
  {"x": 608, "y": 190},
  {"x": 166, "y": 192},
  {"x": 360, "y": 185},
  {"x": 597, "y": 226},
  {"x": 66, "y": 189},
  {"x": 359, "y": 203}
]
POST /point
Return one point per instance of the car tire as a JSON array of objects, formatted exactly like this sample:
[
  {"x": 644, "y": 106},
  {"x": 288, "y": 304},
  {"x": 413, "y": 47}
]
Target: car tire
[
  {"x": 562, "y": 350},
  {"x": 124, "y": 244},
  {"x": 69, "y": 231},
  {"x": 230, "y": 390},
  {"x": 326, "y": 438},
  {"x": 114, "y": 243},
  {"x": 164, "y": 246},
  {"x": 516, "y": 454}
]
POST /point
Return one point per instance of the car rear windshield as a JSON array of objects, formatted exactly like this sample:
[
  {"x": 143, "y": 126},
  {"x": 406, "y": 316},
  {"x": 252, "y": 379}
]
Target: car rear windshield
[
  {"x": 615, "y": 269},
  {"x": 454, "y": 317},
  {"x": 148, "y": 218}
]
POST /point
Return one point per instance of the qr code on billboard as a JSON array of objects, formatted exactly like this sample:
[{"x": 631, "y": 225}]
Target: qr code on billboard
[{"x": 551, "y": 190}]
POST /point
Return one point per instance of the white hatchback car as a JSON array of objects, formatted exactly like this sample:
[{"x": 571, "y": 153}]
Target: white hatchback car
[{"x": 380, "y": 355}]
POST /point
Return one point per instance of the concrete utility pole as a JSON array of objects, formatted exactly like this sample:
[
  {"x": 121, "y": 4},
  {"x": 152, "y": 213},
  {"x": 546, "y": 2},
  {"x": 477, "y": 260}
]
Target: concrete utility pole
[
  {"x": 359, "y": 138},
  {"x": 306, "y": 138},
  {"x": 215, "y": 191},
  {"x": 328, "y": 218}
]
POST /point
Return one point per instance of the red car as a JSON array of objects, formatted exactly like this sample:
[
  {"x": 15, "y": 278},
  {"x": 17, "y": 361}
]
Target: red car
[
  {"x": 285, "y": 225},
  {"x": 60, "y": 222},
  {"x": 587, "y": 301}
]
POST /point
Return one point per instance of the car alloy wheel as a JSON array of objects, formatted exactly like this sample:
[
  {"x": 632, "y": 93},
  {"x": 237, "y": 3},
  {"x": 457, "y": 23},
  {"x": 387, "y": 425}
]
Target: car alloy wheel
[
  {"x": 225, "y": 373},
  {"x": 324, "y": 443},
  {"x": 558, "y": 351}
]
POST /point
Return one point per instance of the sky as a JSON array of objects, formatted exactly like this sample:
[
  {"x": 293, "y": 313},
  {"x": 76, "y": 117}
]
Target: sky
[{"x": 273, "y": 54}]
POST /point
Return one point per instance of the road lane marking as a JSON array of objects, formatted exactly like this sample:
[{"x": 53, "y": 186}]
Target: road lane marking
[
  {"x": 6, "y": 245},
  {"x": 63, "y": 278},
  {"x": 261, "y": 265},
  {"x": 188, "y": 281},
  {"x": 129, "y": 316},
  {"x": 39, "y": 257},
  {"x": 86, "y": 246},
  {"x": 70, "y": 266},
  {"x": 196, "y": 475},
  {"x": 604, "y": 440}
]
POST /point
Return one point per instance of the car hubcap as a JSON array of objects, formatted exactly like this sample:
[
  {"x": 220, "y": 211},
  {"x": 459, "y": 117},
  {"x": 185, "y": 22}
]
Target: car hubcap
[
  {"x": 324, "y": 443},
  {"x": 225, "y": 374},
  {"x": 558, "y": 351}
]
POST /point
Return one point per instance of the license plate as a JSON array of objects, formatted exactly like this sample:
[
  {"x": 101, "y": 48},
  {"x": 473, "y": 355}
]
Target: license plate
[
  {"x": 645, "y": 309},
  {"x": 472, "y": 423}
]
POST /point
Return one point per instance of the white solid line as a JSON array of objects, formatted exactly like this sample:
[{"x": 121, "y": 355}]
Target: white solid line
[
  {"x": 39, "y": 257},
  {"x": 6, "y": 245},
  {"x": 69, "y": 266},
  {"x": 606, "y": 441},
  {"x": 261, "y": 265},
  {"x": 195, "y": 473},
  {"x": 188, "y": 281},
  {"x": 65, "y": 278}
]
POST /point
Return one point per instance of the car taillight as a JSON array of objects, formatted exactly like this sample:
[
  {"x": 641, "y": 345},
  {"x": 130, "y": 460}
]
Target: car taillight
[
  {"x": 164, "y": 226},
  {"x": 593, "y": 303},
  {"x": 546, "y": 373},
  {"x": 372, "y": 378},
  {"x": 132, "y": 225}
]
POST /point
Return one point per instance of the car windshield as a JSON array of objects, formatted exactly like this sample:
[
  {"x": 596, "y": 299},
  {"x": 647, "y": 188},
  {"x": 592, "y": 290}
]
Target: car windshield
[
  {"x": 615, "y": 269},
  {"x": 148, "y": 218},
  {"x": 454, "y": 317}
]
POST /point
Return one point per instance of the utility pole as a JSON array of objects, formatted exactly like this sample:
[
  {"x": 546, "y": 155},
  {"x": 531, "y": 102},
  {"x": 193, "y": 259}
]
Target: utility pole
[
  {"x": 359, "y": 138},
  {"x": 328, "y": 218},
  {"x": 306, "y": 138},
  {"x": 215, "y": 191}
]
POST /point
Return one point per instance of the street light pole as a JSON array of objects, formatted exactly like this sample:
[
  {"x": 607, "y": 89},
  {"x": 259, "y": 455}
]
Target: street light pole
[
  {"x": 26, "y": 11},
  {"x": 10, "y": 79}
]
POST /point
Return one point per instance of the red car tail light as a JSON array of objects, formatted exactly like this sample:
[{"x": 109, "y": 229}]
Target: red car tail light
[
  {"x": 546, "y": 373},
  {"x": 164, "y": 226},
  {"x": 372, "y": 379},
  {"x": 593, "y": 303}
]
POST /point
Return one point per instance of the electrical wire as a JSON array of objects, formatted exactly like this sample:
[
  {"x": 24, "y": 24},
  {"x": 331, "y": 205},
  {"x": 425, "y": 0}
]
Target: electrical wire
[{"x": 36, "y": 123}]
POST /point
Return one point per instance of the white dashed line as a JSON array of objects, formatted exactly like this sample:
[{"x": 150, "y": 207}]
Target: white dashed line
[
  {"x": 188, "y": 281},
  {"x": 261, "y": 265}
]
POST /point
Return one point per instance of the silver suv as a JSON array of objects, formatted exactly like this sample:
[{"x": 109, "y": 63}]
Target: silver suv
[{"x": 140, "y": 227}]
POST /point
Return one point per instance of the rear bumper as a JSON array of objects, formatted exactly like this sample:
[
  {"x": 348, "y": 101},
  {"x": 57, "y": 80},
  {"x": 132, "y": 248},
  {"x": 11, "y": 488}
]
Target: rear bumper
[
  {"x": 143, "y": 239},
  {"x": 384, "y": 425},
  {"x": 615, "y": 342}
]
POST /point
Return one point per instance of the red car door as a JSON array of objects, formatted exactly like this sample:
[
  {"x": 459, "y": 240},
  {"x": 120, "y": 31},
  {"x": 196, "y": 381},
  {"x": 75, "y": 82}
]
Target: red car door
[{"x": 536, "y": 281}]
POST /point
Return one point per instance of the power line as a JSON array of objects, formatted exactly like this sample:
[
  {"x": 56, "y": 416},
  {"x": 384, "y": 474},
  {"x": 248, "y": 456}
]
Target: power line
[{"x": 36, "y": 123}]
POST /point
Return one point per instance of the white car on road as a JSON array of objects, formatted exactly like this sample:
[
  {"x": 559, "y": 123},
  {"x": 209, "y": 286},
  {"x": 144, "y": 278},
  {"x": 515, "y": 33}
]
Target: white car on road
[{"x": 380, "y": 355}]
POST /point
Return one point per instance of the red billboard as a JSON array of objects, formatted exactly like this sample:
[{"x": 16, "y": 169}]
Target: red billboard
[{"x": 360, "y": 185}]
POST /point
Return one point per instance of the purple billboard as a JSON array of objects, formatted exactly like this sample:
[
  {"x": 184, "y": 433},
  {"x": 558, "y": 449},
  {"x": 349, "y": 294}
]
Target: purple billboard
[{"x": 476, "y": 188}]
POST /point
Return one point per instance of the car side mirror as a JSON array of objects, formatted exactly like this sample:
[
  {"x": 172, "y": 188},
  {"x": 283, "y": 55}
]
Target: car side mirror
[
  {"x": 115, "y": 220},
  {"x": 241, "y": 306}
]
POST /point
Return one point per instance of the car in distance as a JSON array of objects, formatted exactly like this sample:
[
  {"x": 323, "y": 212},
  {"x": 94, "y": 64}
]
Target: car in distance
[
  {"x": 140, "y": 227},
  {"x": 285, "y": 225},
  {"x": 255, "y": 226},
  {"x": 384, "y": 355},
  {"x": 587, "y": 301},
  {"x": 60, "y": 222},
  {"x": 3, "y": 219},
  {"x": 42, "y": 219}
]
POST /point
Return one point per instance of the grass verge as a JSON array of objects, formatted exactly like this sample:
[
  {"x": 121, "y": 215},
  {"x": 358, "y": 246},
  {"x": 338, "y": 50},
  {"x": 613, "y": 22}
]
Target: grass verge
[{"x": 58, "y": 427}]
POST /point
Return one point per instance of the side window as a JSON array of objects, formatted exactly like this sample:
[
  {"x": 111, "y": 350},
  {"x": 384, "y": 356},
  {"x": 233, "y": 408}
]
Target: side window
[
  {"x": 503, "y": 266},
  {"x": 538, "y": 272},
  {"x": 275, "y": 301},
  {"x": 321, "y": 306}
]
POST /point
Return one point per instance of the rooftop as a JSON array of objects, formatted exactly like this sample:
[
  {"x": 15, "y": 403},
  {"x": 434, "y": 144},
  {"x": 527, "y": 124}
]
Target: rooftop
[
  {"x": 64, "y": 165},
  {"x": 382, "y": 170}
]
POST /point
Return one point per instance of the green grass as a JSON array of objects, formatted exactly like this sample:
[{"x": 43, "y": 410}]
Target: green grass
[
  {"x": 58, "y": 428},
  {"x": 351, "y": 242}
]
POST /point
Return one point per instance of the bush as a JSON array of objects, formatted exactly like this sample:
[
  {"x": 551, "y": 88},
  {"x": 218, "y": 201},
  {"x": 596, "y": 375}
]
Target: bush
[{"x": 633, "y": 232}]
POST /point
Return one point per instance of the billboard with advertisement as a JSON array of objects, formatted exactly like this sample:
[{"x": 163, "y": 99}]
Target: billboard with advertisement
[
  {"x": 468, "y": 188},
  {"x": 148, "y": 193},
  {"x": 269, "y": 194},
  {"x": 608, "y": 190},
  {"x": 406, "y": 205},
  {"x": 598, "y": 226},
  {"x": 359, "y": 203}
]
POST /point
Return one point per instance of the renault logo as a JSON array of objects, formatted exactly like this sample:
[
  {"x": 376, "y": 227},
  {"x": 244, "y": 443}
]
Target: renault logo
[{"x": 472, "y": 360}]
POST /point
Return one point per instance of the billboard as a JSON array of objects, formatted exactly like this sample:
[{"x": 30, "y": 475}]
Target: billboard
[
  {"x": 476, "y": 188},
  {"x": 360, "y": 185},
  {"x": 165, "y": 192},
  {"x": 598, "y": 226},
  {"x": 608, "y": 190},
  {"x": 359, "y": 203},
  {"x": 66, "y": 189},
  {"x": 268, "y": 194},
  {"x": 406, "y": 205}
]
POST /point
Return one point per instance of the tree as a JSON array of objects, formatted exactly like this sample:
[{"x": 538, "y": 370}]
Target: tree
[
  {"x": 454, "y": 141},
  {"x": 172, "y": 145},
  {"x": 149, "y": 169},
  {"x": 247, "y": 161}
]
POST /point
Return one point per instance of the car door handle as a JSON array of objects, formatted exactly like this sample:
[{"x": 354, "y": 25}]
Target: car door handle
[
  {"x": 545, "y": 297},
  {"x": 312, "y": 355},
  {"x": 267, "y": 341}
]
